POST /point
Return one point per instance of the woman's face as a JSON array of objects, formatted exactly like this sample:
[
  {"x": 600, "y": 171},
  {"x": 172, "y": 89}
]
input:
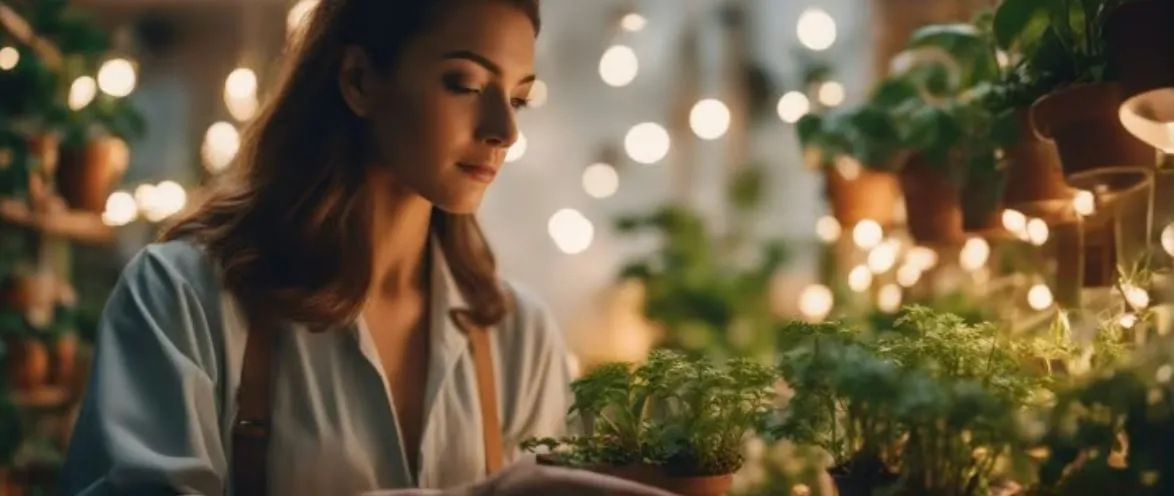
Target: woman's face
[{"x": 443, "y": 118}]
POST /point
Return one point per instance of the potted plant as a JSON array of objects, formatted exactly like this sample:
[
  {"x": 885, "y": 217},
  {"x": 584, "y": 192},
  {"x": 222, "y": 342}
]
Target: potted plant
[
  {"x": 674, "y": 422},
  {"x": 1063, "y": 47}
]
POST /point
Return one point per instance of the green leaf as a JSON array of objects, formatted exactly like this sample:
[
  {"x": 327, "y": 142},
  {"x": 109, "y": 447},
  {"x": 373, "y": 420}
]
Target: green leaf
[
  {"x": 809, "y": 128},
  {"x": 893, "y": 92},
  {"x": 960, "y": 40},
  {"x": 1020, "y": 23}
]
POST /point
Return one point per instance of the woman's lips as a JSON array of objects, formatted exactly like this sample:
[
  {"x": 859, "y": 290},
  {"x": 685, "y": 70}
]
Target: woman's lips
[{"x": 483, "y": 173}]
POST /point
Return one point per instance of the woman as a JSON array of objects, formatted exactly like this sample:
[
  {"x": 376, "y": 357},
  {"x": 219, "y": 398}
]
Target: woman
[{"x": 330, "y": 320}]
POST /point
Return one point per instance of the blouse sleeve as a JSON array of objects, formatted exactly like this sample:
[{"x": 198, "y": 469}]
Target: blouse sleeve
[
  {"x": 149, "y": 420},
  {"x": 541, "y": 365}
]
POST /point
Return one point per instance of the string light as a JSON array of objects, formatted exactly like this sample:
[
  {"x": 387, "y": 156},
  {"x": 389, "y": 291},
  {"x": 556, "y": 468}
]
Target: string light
[
  {"x": 121, "y": 209},
  {"x": 828, "y": 229},
  {"x": 518, "y": 150},
  {"x": 908, "y": 275},
  {"x": 793, "y": 106},
  {"x": 883, "y": 257},
  {"x": 815, "y": 302},
  {"x": 1014, "y": 222},
  {"x": 240, "y": 93},
  {"x": 117, "y": 78},
  {"x": 1084, "y": 203},
  {"x": 1039, "y": 297},
  {"x": 975, "y": 254},
  {"x": 221, "y": 143},
  {"x": 618, "y": 66},
  {"x": 600, "y": 180},
  {"x": 1037, "y": 232},
  {"x": 9, "y": 57},
  {"x": 888, "y": 298},
  {"x": 647, "y": 143},
  {"x": 816, "y": 29},
  {"x": 571, "y": 231},
  {"x": 831, "y": 93},
  {"x": 921, "y": 257},
  {"x": 867, "y": 234},
  {"x": 860, "y": 279},
  {"x": 82, "y": 92},
  {"x": 1168, "y": 239},
  {"x": 709, "y": 119},
  {"x": 633, "y": 22}
]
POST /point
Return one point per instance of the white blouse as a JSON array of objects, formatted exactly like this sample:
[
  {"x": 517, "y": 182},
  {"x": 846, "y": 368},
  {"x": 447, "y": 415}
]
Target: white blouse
[{"x": 157, "y": 415}]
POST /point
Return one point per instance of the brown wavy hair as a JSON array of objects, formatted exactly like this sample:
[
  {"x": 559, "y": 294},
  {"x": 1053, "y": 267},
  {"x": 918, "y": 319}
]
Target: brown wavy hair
[{"x": 289, "y": 224}]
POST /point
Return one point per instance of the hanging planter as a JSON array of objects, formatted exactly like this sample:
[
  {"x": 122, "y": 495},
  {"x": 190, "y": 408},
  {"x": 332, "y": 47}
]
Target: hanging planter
[
  {"x": 934, "y": 210},
  {"x": 87, "y": 172},
  {"x": 1083, "y": 122},
  {"x": 1140, "y": 45}
]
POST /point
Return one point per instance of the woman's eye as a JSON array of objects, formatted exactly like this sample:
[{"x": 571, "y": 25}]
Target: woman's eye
[
  {"x": 456, "y": 85},
  {"x": 519, "y": 103}
]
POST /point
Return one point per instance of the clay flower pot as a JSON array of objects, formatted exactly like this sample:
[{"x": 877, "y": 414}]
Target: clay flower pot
[
  {"x": 29, "y": 364},
  {"x": 932, "y": 204},
  {"x": 654, "y": 476},
  {"x": 1034, "y": 173},
  {"x": 1140, "y": 45},
  {"x": 869, "y": 195},
  {"x": 85, "y": 175},
  {"x": 1083, "y": 122}
]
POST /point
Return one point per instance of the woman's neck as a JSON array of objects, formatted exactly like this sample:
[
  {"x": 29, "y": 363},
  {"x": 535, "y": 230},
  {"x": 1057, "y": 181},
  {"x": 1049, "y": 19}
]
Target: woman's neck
[{"x": 399, "y": 233}]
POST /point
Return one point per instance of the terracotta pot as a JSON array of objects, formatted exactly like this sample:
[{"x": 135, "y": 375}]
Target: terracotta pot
[
  {"x": 932, "y": 203},
  {"x": 32, "y": 291},
  {"x": 29, "y": 364},
  {"x": 64, "y": 359},
  {"x": 1083, "y": 120},
  {"x": 1140, "y": 45},
  {"x": 85, "y": 175},
  {"x": 982, "y": 203},
  {"x": 1034, "y": 173},
  {"x": 870, "y": 195}
]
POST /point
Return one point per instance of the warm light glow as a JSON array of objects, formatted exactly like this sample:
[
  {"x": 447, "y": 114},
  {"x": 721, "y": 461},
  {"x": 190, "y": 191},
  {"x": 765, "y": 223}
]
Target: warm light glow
[
  {"x": 709, "y": 119},
  {"x": 827, "y": 228},
  {"x": 647, "y": 143},
  {"x": 975, "y": 254},
  {"x": 860, "y": 279},
  {"x": 848, "y": 167},
  {"x": 1039, "y": 297},
  {"x": 166, "y": 199},
  {"x": 1127, "y": 321},
  {"x": 831, "y": 93},
  {"x": 518, "y": 150},
  {"x": 117, "y": 77},
  {"x": 9, "y": 57},
  {"x": 816, "y": 29},
  {"x": 1168, "y": 239},
  {"x": 539, "y": 93},
  {"x": 299, "y": 15},
  {"x": 922, "y": 257},
  {"x": 1015, "y": 222},
  {"x": 82, "y": 92},
  {"x": 221, "y": 143},
  {"x": 882, "y": 258},
  {"x": 867, "y": 234},
  {"x": 793, "y": 106},
  {"x": 908, "y": 275},
  {"x": 815, "y": 302},
  {"x": 1084, "y": 203},
  {"x": 888, "y": 299},
  {"x": 144, "y": 196},
  {"x": 1002, "y": 58},
  {"x": 1164, "y": 373},
  {"x": 600, "y": 180},
  {"x": 1136, "y": 297},
  {"x": 633, "y": 22},
  {"x": 1037, "y": 232},
  {"x": 571, "y": 231},
  {"x": 618, "y": 66},
  {"x": 241, "y": 83},
  {"x": 121, "y": 209}
]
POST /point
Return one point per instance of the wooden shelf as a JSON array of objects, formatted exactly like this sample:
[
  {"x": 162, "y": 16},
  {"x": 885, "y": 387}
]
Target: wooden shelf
[{"x": 76, "y": 225}]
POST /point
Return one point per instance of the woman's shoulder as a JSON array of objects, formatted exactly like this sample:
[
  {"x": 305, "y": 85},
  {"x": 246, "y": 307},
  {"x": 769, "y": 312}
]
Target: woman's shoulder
[
  {"x": 530, "y": 326},
  {"x": 177, "y": 269}
]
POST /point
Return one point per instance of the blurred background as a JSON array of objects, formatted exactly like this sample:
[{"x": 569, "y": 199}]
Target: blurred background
[{"x": 672, "y": 187}]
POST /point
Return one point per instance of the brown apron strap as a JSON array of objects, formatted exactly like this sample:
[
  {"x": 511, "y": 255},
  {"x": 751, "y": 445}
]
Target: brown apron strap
[
  {"x": 486, "y": 389},
  {"x": 250, "y": 430}
]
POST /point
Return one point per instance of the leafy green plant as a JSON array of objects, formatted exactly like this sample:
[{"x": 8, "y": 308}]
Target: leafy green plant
[
  {"x": 685, "y": 415},
  {"x": 707, "y": 289}
]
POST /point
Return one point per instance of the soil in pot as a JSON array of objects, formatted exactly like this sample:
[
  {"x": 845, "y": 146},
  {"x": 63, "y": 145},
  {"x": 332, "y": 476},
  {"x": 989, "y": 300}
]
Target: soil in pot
[
  {"x": 1140, "y": 45},
  {"x": 86, "y": 174},
  {"x": 869, "y": 194},
  {"x": 932, "y": 204},
  {"x": 1084, "y": 122},
  {"x": 1034, "y": 173}
]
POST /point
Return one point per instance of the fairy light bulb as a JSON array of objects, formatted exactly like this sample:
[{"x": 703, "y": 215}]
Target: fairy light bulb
[
  {"x": 828, "y": 229},
  {"x": 1039, "y": 297},
  {"x": 815, "y": 302},
  {"x": 117, "y": 77},
  {"x": 816, "y": 29},
  {"x": 860, "y": 279},
  {"x": 867, "y": 234},
  {"x": 975, "y": 254},
  {"x": 1085, "y": 203},
  {"x": 888, "y": 298},
  {"x": 792, "y": 106},
  {"x": 618, "y": 66},
  {"x": 709, "y": 119}
]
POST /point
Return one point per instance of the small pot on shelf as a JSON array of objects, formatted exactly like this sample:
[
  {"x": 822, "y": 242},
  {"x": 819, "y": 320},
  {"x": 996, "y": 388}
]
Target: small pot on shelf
[
  {"x": 86, "y": 173},
  {"x": 1083, "y": 122},
  {"x": 858, "y": 193},
  {"x": 1034, "y": 173},
  {"x": 932, "y": 203}
]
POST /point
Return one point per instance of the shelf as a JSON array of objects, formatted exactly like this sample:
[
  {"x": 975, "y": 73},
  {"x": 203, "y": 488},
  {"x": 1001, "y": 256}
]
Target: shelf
[
  {"x": 76, "y": 225},
  {"x": 47, "y": 397}
]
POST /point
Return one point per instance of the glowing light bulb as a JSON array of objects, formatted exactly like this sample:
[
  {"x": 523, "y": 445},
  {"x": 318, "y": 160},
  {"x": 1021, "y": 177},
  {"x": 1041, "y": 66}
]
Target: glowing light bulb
[
  {"x": 1039, "y": 297},
  {"x": 827, "y": 228},
  {"x": 1168, "y": 239},
  {"x": 975, "y": 254},
  {"x": 9, "y": 57},
  {"x": 831, "y": 94},
  {"x": 922, "y": 257},
  {"x": 1014, "y": 222},
  {"x": 633, "y": 22},
  {"x": 816, "y": 29},
  {"x": 860, "y": 279},
  {"x": 888, "y": 299},
  {"x": 908, "y": 275},
  {"x": 518, "y": 150},
  {"x": 867, "y": 234},
  {"x": 793, "y": 106},
  {"x": 571, "y": 231},
  {"x": 883, "y": 257},
  {"x": 121, "y": 209},
  {"x": 600, "y": 180},
  {"x": 117, "y": 77},
  {"x": 709, "y": 119},
  {"x": 618, "y": 66},
  {"x": 1037, "y": 232},
  {"x": 1084, "y": 203},
  {"x": 221, "y": 143},
  {"x": 815, "y": 302},
  {"x": 82, "y": 92},
  {"x": 1136, "y": 297},
  {"x": 647, "y": 143}
]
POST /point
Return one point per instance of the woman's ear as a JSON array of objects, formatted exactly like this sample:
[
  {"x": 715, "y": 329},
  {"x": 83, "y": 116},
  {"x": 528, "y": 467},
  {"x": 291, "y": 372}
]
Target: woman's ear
[{"x": 353, "y": 80}]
